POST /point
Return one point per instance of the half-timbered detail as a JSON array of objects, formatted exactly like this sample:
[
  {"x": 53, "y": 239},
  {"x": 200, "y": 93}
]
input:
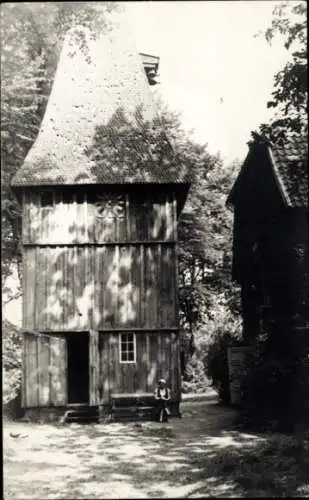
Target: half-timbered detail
[{"x": 99, "y": 240}]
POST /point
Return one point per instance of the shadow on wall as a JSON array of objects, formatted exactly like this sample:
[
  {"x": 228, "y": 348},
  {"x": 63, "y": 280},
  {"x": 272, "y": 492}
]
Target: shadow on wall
[{"x": 83, "y": 287}]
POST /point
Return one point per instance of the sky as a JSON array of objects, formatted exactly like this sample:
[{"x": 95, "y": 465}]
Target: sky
[{"x": 212, "y": 68}]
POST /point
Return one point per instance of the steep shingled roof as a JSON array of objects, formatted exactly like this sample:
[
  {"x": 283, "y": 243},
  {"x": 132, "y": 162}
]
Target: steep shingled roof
[
  {"x": 289, "y": 162},
  {"x": 95, "y": 96}
]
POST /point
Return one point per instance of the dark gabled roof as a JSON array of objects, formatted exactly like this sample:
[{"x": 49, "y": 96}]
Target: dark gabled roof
[
  {"x": 290, "y": 162},
  {"x": 288, "y": 159},
  {"x": 98, "y": 112}
]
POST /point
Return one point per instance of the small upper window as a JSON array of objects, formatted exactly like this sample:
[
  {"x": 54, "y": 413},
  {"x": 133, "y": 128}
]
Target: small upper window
[
  {"x": 127, "y": 347},
  {"x": 47, "y": 199}
]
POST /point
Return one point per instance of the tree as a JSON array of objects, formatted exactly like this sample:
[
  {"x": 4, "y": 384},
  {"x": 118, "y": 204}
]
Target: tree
[
  {"x": 31, "y": 39},
  {"x": 290, "y": 94},
  {"x": 290, "y": 99}
]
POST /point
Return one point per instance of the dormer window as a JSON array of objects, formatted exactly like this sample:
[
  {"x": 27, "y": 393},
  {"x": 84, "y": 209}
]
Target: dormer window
[{"x": 151, "y": 66}]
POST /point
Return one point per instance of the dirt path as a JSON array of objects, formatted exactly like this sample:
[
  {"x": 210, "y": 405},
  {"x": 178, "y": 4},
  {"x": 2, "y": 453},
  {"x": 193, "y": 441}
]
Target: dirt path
[{"x": 198, "y": 455}]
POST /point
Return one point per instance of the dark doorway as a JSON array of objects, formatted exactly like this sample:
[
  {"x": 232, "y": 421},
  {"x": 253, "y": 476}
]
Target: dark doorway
[{"x": 78, "y": 368}]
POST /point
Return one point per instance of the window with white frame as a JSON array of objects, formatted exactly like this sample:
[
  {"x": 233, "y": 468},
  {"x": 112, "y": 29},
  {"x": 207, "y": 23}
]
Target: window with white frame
[{"x": 127, "y": 347}]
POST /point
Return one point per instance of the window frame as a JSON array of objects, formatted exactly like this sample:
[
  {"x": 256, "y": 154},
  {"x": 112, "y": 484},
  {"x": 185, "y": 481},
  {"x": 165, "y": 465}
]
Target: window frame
[{"x": 121, "y": 351}]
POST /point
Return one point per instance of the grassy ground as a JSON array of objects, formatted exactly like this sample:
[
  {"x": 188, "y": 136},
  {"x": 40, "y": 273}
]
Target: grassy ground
[{"x": 200, "y": 455}]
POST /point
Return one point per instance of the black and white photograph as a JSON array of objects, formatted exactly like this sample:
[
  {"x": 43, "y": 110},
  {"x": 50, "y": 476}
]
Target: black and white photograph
[{"x": 155, "y": 249}]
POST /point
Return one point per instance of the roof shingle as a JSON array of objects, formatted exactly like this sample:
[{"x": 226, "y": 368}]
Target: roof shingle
[
  {"x": 100, "y": 124},
  {"x": 290, "y": 161}
]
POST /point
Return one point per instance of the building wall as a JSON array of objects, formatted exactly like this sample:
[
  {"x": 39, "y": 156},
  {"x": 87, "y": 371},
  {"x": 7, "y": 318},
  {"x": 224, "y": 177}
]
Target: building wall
[
  {"x": 100, "y": 264},
  {"x": 157, "y": 356}
]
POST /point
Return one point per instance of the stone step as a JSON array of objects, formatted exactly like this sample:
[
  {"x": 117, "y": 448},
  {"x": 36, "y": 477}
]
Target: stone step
[
  {"x": 82, "y": 419},
  {"x": 81, "y": 414},
  {"x": 131, "y": 413}
]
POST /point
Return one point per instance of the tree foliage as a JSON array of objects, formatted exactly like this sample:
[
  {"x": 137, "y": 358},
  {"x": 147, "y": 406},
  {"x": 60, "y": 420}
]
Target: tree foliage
[
  {"x": 290, "y": 93},
  {"x": 31, "y": 39}
]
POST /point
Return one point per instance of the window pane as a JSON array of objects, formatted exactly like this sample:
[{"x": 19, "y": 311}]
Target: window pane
[{"x": 127, "y": 347}]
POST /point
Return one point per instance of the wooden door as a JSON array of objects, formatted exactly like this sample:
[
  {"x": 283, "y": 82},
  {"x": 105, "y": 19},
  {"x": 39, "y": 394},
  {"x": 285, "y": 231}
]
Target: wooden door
[
  {"x": 44, "y": 381},
  {"x": 94, "y": 368}
]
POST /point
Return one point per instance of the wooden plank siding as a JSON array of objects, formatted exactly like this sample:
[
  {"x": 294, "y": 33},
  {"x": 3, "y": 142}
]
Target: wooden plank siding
[
  {"x": 77, "y": 218},
  {"x": 80, "y": 288},
  {"x": 156, "y": 356},
  {"x": 45, "y": 370},
  {"x": 104, "y": 263}
]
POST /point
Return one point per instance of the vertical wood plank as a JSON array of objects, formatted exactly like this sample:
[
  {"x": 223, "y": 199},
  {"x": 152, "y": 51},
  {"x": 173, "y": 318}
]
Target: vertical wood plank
[
  {"x": 115, "y": 283},
  {"x": 23, "y": 373},
  {"x": 107, "y": 287},
  {"x": 91, "y": 273},
  {"x": 31, "y": 371},
  {"x": 150, "y": 216},
  {"x": 125, "y": 309},
  {"x": 135, "y": 295},
  {"x": 43, "y": 372},
  {"x": 94, "y": 368},
  {"x": 74, "y": 272},
  {"x": 147, "y": 365},
  {"x": 162, "y": 232},
  {"x": 158, "y": 272},
  {"x": 58, "y": 371},
  {"x": 127, "y": 216},
  {"x": 35, "y": 218},
  {"x": 154, "y": 362},
  {"x": 57, "y": 317},
  {"x": 175, "y": 216},
  {"x": 173, "y": 357},
  {"x": 25, "y": 218},
  {"x": 178, "y": 371},
  {"x": 97, "y": 288},
  {"x": 151, "y": 286},
  {"x": 167, "y": 286},
  {"x": 133, "y": 216},
  {"x": 121, "y": 233},
  {"x": 142, "y": 296},
  {"x": 143, "y": 219},
  {"x": 104, "y": 372},
  {"x": 48, "y": 286},
  {"x": 80, "y": 289},
  {"x": 65, "y": 291},
  {"x": 169, "y": 235},
  {"x": 86, "y": 220},
  {"x": 52, "y": 221},
  {"x": 69, "y": 287},
  {"x": 25, "y": 291},
  {"x": 75, "y": 222},
  {"x": 113, "y": 362},
  {"x": 40, "y": 289}
]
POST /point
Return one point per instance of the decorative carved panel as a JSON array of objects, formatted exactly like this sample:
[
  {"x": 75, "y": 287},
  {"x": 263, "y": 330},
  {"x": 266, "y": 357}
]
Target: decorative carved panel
[{"x": 110, "y": 206}]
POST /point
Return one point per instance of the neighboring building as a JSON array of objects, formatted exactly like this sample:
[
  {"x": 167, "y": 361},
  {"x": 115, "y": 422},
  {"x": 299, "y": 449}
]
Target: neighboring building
[
  {"x": 270, "y": 251},
  {"x": 99, "y": 235}
]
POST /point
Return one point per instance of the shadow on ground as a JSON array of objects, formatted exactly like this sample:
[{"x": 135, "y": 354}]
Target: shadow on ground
[{"x": 201, "y": 454}]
